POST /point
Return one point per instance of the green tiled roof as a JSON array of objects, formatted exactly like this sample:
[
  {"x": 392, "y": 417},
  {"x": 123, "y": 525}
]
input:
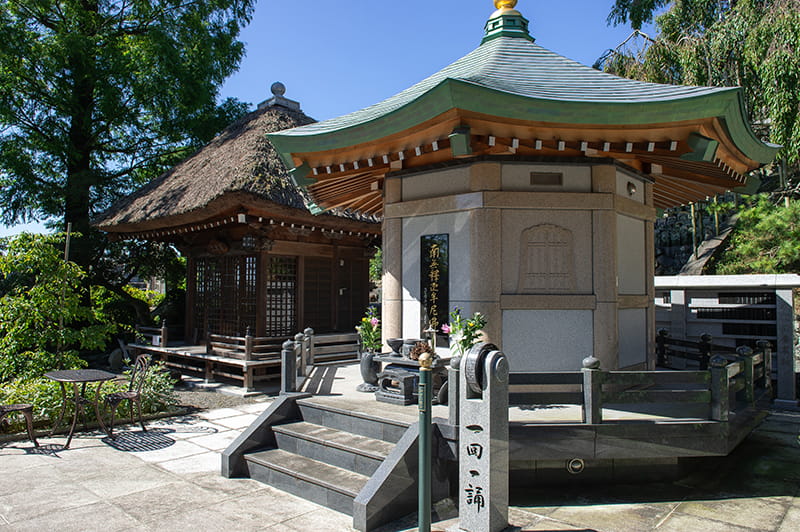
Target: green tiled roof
[{"x": 515, "y": 78}]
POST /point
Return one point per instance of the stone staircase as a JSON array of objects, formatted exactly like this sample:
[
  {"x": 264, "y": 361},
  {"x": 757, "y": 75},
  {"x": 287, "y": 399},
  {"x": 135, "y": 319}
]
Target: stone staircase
[{"x": 325, "y": 454}]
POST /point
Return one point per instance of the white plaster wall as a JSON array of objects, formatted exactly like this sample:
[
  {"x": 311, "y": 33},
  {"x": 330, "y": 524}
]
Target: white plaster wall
[
  {"x": 622, "y": 186},
  {"x": 578, "y": 222},
  {"x": 547, "y": 340},
  {"x": 437, "y": 183},
  {"x": 632, "y": 337},
  {"x": 457, "y": 226},
  {"x": 631, "y": 256},
  {"x": 517, "y": 177}
]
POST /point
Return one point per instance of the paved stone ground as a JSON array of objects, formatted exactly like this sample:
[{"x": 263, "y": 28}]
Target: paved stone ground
[{"x": 167, "y": 479}]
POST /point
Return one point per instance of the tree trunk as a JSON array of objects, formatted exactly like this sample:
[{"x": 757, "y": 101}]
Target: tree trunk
[{"x": 80, "y": 174}]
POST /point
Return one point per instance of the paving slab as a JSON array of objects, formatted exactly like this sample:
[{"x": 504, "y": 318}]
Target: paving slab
[
  {"x": 207, "y": 462},
  {"x": 167, "y": 478}
]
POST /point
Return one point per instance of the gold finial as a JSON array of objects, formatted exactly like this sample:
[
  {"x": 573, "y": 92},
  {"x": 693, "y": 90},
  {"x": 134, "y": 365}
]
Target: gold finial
[
  {"x": 500, "y": 4},
  {"x": 425, "y": 360}
]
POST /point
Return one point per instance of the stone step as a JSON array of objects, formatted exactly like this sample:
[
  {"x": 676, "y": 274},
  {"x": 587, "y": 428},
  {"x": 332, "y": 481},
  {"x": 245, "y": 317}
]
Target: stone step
[
  {"x": 356, "y": 417},
  {"x": 332, "y": 446},
  {"x": 316, "y": 481}
]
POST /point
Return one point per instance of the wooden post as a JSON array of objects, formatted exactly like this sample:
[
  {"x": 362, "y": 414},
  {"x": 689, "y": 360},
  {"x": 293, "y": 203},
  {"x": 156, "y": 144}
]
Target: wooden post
[
  {"x": 746, "y": 356},
  {"x": 705, "y": 350},
  {"x": 209, "y": 371},
  {"x": 248, "y": 345},
  {"x": 164, "y": 332},
  {"x": 661, "y": 347},
  {"x": 720, "y": 395},
  {"x": 592, "y": 391},
  {"x": 765, "y": 347},
  {"x": 248, "y": 379}
]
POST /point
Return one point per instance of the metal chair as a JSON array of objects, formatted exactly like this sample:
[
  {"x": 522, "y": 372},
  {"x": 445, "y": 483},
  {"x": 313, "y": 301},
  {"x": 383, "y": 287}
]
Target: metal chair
[
  {"x": 27, "y": 411},
  {"x": 133, "y": 394}
]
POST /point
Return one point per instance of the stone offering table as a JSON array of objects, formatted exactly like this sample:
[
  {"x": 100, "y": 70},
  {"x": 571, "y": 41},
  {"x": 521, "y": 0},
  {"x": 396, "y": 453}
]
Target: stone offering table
[{"x": 399, "y": 379}]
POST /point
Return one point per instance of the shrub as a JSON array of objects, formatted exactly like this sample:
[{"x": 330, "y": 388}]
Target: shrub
[
  {"x": 158, "y": 395},
  {"x": 45, "y": 316}
]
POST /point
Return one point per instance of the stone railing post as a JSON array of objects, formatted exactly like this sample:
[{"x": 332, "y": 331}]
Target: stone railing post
[
  {"x": 720, "y": 389},
  {"x": 308, "y": 345},
  {"x": 745, "y": 355},
  {"x": 300, "y": 357},
  {"x": 765, "y": 347},
  {"x": 661, "y": 347},
  {"x": 483, "y": 441},
  {"x": 248, "y": 345},
  {"x": 592, "y": 391},
  {"x": 705, "y": 350},
  {"x": 288, "y": 368}
]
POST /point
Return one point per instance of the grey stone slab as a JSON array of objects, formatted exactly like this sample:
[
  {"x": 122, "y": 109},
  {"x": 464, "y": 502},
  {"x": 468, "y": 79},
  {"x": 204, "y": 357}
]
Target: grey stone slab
[
  {"x": 207, "y": 462},
  {"x": 616, "y": 517},
  {"x": 758, "y": 513},
  {"x": 321, "y": 519},
  {"x": 100, "y": 516},
  {"x": 179, "y": 449},
  {"x": 28, "y": 478},
  {"x": 230, "y": 487},
  {"x": 328, "y": 455},
  {"x": 791, "y": 521},
  {"x": 153, "y": 505},
  {"x": 678, "y": 522},
  {"x": 286, "y": 442},
  {"x": 217, "y": 441},
  {"x": 239, "y": 422},
  {"x": 524, "y": 518},
  {"x": 22, "y": 506},
  {"x": 123, "y": 481}
]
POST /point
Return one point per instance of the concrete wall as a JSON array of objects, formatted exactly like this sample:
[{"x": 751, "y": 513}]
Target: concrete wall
[
  {"x": 555, "y": 255},
  {"x": 691, "y": 305}
]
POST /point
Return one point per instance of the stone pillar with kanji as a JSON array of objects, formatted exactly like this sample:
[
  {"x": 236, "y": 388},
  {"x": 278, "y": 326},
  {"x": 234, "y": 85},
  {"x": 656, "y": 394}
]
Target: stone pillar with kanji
[{"x": 483, "y": 441}]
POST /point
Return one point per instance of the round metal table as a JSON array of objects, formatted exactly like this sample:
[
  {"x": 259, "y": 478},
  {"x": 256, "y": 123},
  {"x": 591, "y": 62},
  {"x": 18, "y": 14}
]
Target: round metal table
[{"x": 79, "y": 379}]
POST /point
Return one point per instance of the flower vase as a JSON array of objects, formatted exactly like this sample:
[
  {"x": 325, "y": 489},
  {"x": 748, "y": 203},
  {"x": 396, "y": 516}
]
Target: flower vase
[{"x": 369, "y": 372}]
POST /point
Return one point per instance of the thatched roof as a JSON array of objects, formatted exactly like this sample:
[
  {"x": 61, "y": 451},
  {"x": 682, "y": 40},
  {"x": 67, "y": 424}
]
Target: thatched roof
[{"x": 238, "y": 166}]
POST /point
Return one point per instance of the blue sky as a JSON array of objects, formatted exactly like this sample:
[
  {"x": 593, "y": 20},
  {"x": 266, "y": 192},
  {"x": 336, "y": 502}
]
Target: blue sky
[{"x": 336, "y": 57}]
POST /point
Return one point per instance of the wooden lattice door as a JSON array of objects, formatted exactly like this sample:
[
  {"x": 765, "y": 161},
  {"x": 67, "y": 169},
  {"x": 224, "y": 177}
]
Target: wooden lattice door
[{"x": 225, "y": 294}]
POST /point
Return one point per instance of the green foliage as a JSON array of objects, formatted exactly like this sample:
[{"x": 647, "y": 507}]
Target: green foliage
[
  {"x": 158, "y": 395},
  {"x": 637, "y": 12},
  {"x": 766, "y": 240},
  {"x": 43, "y": 318},
  {"x": 754, "y": 44},
  {"x": 369, "y": 331},
  {"x": 150, "y": 297},
  {"x": 97, "y": 97},
  {"x": 42, "y": 393},
  {"x": 464, "y": 332},
  {"x": 376, "y": 266}
]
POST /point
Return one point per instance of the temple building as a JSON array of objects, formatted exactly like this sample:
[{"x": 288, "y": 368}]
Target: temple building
[
  {"x": 258, "y": 260},
  {"x": 524, "y": 185}
]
